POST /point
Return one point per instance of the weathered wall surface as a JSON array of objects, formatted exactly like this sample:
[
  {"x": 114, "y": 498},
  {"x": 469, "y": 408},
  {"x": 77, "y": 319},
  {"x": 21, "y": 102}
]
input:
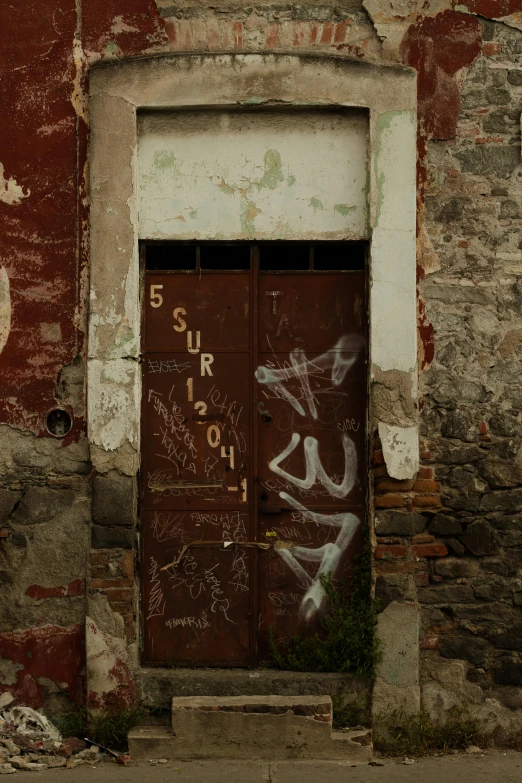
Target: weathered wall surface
[
  {"x": 273, "y": 176},
  {"x": 449, "y": 540}
]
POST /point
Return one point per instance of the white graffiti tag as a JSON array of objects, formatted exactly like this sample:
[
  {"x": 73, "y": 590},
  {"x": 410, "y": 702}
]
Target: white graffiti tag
[
  {"x": 314, "y": 469},
  {"x": 339, "y": 360}
]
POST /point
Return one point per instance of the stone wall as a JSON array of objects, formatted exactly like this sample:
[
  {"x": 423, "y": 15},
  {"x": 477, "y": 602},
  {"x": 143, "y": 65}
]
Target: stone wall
[{"x": 448, "y": 542}]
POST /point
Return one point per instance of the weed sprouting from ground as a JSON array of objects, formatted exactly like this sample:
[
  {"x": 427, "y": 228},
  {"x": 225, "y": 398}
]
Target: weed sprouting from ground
[
  {"x": 400, "y": 734},
  {"x": 347, "y": 641},
  {"x": 109, "y": 728},
  {"x": 349, "y": 714}
]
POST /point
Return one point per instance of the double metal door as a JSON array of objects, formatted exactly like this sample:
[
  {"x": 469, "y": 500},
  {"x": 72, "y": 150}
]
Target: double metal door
[{"x": 253, "y": 456}]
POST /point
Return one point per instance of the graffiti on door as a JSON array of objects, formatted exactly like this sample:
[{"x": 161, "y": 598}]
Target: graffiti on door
[{"x": 337, "y": 362}]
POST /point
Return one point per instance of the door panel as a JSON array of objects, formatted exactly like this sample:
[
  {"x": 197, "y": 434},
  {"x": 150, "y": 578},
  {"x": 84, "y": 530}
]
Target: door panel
[
  {"x": 253, "y": 457},
  {"x": 195, "y": 472},
  {"x": 312, "y": 312},
  {"x": 197, "y": 611},
  {"x": 196, "y": 430},
  {"x": 215, "y": 305},
  {"x": 312, "y": 401}
]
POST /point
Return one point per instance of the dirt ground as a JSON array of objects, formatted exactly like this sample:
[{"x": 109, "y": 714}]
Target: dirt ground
[{"x": 461, "y": 768}]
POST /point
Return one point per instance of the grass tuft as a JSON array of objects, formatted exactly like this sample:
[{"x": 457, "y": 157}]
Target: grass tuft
[
  {"x": 109, "y": 728},
  {"x": 347, "y": 641},
  {"x": 349, "y": 714},
  {"x": 400, "y": 734}
]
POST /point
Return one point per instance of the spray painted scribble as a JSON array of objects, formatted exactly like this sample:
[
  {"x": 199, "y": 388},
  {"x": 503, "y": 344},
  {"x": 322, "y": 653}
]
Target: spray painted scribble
[{"x": 337, "y": 362}]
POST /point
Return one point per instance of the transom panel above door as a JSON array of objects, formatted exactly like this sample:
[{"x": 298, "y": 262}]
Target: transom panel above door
[{"x": 253, "y": 441}]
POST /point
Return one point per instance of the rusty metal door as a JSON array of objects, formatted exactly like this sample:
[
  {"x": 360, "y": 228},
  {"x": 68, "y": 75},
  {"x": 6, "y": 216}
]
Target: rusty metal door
[{"x": 253, "y": 444}]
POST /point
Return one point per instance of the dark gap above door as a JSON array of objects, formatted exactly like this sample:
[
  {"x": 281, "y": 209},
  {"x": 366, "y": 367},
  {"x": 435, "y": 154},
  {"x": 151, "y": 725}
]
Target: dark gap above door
[{"x": 349, "y": 256}]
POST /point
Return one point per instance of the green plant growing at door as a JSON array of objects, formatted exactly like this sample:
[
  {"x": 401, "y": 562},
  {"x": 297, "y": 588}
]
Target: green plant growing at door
[{"x": 347, "y": 640}]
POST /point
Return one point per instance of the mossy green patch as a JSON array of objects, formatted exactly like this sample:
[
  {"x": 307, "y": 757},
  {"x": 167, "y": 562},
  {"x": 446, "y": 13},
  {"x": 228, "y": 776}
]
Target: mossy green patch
[
  {"x": 273, "y": 171},
  {"x": 165, "y": 159},
  {"x": 247, "y": 216},
  {"x": 344, "y": 209},
  {"x": 315, "y": 203},
  {"x": 224, "y": 188}
]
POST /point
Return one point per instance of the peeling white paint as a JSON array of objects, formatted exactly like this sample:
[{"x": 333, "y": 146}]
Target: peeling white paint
[
  {"x": 5, "y": 308},
  {"x": 400, "y": 448},
  {"x": 106, "y": 658},
  {"x": 10, "y": 191},
  {"x": 393, "y": 286},
  {"x": 78, "y": 96},
  {"x": 113, "y": 408},
  {"x": 231, "y": 175}
]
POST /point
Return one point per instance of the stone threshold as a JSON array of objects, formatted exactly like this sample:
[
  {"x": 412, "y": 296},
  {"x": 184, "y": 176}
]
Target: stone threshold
[
  {"x": 264, "y": 727},
  {"x": 158, "y": 686}
]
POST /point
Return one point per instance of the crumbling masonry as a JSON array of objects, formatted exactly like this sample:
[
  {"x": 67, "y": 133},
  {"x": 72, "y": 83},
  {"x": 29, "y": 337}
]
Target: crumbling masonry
[{"x": 446, "y": 426}]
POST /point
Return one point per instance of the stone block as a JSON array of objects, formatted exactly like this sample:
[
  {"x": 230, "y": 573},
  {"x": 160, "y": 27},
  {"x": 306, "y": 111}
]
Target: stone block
[
  {"x": 103, "y": 537},
  {"x": 460, "y": 476},
  {"x": 455, "y": 546},
  {"x": 397, "y": 673},
  {"x": 468, "y": 648},
  {"x": 479, "y": 538},
  {"x": 459, "y": 455},
  {"x": 453, "y": 567},
  {"x": 509, "y": 640},
  {"x": 8, "y": 501},
  {"x": 500, "y": 473},
  {"x": 514, "y": 77},
  {"x": 465, "y": 498},
  {"x": 508, "y": 673},
  {"x": 114, "y": 500},
  {"x": 445, "y": 525},
  {"x": 461, "y": 424},
  {"x": 446, "y": 594},
  {"x": 399, "y": 523},
  {"x": 490, "y": 160},
  {"x": 498, "y": 96},
  {"x": 394, "y": 587},
  {"x": 42, "y": 504}
]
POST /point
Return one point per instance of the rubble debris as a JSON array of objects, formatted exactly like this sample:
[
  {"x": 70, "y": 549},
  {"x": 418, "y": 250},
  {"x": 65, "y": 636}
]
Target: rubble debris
[
  {"x": 6, "y": 699},
  {"x": 31, "y": 724},
  {"x": 30, "y": 742}
]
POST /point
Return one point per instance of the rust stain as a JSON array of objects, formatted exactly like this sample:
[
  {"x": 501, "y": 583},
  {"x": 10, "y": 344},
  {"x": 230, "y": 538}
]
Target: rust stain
[
  {"x": 50, "y": 651},
  {"x": 121, "y": 27},
  {"x": 74, "y": 588},
  {"x": 438, "y": 47}
]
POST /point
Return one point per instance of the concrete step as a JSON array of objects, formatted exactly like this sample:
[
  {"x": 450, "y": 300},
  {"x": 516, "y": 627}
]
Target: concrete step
[{"x": 239, "y": 727}]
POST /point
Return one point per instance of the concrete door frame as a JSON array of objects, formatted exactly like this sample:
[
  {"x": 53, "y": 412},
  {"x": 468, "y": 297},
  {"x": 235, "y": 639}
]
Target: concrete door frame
[{"x": 117, "y": 92}]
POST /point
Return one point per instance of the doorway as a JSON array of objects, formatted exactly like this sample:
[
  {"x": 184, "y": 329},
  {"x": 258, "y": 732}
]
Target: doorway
[{"x": 253, "y": 441}]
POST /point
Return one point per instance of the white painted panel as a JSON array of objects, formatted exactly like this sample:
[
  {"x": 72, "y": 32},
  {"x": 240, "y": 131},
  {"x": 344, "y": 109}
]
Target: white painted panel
[
  {"x": 264, "y": 175},
  {"x": 393, "y": 284}
]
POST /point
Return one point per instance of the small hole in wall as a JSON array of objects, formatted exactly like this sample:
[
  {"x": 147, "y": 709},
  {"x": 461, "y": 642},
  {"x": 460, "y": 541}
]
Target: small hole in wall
[{"x": 58, "y": 422}]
